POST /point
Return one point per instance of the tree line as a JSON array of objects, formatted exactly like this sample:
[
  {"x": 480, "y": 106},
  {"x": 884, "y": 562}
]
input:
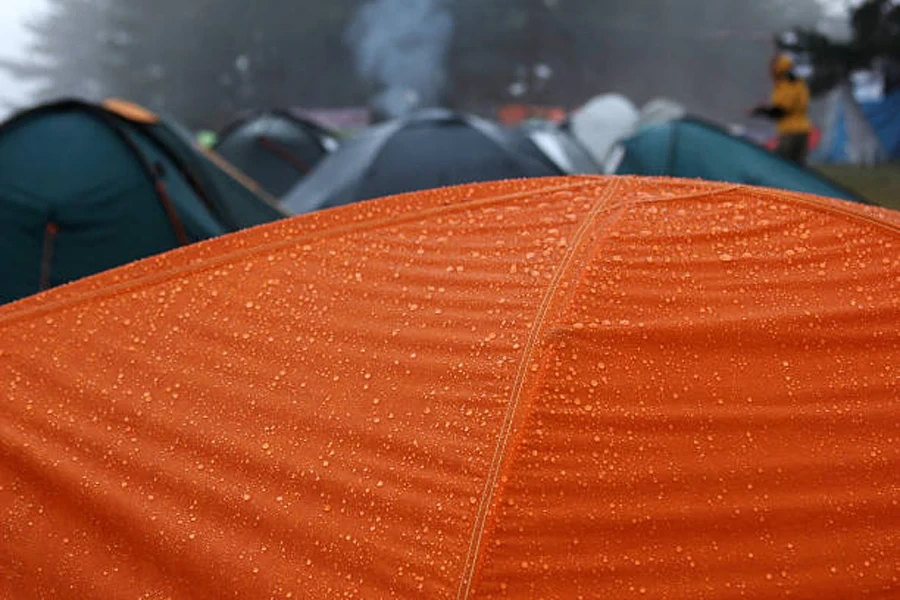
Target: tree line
[{"x": 204, "y": 60}]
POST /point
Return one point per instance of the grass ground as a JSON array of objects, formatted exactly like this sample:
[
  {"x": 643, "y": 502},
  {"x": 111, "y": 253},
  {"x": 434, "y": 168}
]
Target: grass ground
[{"x": 879, "y": 184}]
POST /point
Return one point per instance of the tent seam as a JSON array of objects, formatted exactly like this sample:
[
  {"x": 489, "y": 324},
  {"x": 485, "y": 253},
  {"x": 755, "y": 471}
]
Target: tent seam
[
  {"x": 814, "y": 203},
  {"x": 489, "y": 492},
  {"x": 565, "y": 301}
]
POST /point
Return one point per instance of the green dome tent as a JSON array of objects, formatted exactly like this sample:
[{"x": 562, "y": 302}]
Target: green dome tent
[
  {"x": 692, "y": 148},
  {"x": 85, "y": 188}
]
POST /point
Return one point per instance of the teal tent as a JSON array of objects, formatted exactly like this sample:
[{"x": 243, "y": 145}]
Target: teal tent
[
  {"x": 85, "y": 188},
  {"x": 692, "y": 148},
  {"x": 238, "y": 201}
]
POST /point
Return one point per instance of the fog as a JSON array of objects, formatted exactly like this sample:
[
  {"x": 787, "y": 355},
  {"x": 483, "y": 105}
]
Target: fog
[
  {"x": 14, "y": 41},
  {"x": 205, "y": 60}
]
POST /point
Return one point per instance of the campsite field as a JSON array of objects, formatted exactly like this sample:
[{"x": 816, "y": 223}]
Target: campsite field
[{"x": 879, "y": 184}]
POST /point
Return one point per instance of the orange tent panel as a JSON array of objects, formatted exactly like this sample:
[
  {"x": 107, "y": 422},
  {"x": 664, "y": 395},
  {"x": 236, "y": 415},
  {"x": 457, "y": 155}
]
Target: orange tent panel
[{"x": 558, "y": 388}]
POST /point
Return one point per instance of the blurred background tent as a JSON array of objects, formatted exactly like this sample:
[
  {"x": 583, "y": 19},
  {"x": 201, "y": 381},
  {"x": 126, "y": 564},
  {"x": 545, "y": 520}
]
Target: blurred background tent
[
  {"x": 84, "y": 188},
  {"x": 563, "y": 388},
  {"x": 238, "y": 201},
  {"x": 690, "y": 147},
  {"x": 605, "y": 120},
  {"x": 275, "y": 148},
  {"x": 546, "y": 141},
  {"x": 662, "y": 139},
  {"x": 859, "y": 75},
  {"x": 428, "y": 149},
  {"x": 861, "y": 133},
  {"x": 601, "y": 123}
]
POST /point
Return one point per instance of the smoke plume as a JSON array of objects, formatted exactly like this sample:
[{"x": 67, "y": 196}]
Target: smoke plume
[{"x": 400, "y": 47}]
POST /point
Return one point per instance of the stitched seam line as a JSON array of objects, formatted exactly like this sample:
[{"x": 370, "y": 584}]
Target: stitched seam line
[
  {"x": 820, "y": 205},
  {"x": 531, "y": 346}
]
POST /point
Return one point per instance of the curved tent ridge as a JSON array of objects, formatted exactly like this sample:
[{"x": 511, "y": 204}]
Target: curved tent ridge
[
  {"x": 147, "y": 271},
  {"x": 604, "y": 206},
  {"x": 148, "y": 276}
]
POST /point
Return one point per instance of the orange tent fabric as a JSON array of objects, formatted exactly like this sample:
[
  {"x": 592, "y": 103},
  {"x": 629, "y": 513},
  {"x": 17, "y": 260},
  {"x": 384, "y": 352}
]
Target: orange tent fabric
[{"x": 563, "y": 388}]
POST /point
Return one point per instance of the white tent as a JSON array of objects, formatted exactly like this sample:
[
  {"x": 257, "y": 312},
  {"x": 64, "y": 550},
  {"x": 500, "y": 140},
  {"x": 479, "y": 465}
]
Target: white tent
[
  {"x": 601, "y": 123},
  {"x": 606, "y": 120}
]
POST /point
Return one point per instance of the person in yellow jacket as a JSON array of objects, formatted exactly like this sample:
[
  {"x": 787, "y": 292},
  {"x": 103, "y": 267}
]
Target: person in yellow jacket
[{"x": 789, "y": 108}]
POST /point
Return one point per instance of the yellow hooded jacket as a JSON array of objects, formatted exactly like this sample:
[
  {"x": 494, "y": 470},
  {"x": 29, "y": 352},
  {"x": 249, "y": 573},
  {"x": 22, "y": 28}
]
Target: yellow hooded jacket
[{"x": 791, "y": 95}]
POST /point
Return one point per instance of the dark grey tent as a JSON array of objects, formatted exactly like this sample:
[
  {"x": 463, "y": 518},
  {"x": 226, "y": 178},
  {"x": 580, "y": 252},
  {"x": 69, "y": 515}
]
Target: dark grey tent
[
  {"x": 429, "y": 149},
  {"x": 275, "y": 148}
]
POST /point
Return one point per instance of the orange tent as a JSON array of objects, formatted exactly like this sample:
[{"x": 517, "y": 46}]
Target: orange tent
[{"x": 563, "y": 388}]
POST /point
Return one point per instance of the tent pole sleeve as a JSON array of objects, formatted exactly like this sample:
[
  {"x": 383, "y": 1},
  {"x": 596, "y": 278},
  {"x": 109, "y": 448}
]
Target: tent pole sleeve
[{"x": 166, "y": 201}]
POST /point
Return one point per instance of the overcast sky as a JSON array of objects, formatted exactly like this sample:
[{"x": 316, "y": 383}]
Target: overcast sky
[{"x": 14, "y": 43}]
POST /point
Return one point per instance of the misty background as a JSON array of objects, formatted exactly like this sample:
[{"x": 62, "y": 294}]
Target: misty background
[{"x": 203, "y": 61}]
